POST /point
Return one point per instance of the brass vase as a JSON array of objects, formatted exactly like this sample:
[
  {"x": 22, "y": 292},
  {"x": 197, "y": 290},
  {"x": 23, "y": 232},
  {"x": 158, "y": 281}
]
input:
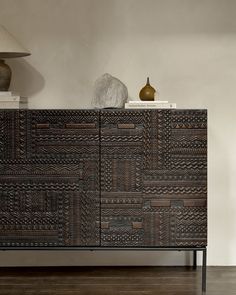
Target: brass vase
[{"x": 147, "y": 93}]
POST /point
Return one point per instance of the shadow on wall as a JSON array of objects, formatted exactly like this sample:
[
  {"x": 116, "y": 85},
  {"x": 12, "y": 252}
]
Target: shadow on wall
[
  {"x": 26, "y": 80},
  {"x": 220, "y": 225}
]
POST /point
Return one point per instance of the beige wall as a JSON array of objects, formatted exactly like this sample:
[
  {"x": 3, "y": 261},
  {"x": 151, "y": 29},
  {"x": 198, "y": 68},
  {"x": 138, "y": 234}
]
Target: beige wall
[{"x": 187, "y": 47}]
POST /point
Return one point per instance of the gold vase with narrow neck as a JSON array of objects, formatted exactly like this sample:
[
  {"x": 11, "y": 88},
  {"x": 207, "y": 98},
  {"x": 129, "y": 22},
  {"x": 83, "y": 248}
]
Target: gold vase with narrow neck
[{"x": 147, "y": 93}]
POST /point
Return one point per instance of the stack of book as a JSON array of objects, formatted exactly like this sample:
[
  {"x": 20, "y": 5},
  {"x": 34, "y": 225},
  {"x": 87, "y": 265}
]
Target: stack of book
[
  {"x": 157, "y": 104},
  {"x": 11, "y": 100}
]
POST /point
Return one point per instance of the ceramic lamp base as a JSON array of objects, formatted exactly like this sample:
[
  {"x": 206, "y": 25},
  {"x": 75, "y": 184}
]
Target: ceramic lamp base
[{"x": 5, "y": 76}]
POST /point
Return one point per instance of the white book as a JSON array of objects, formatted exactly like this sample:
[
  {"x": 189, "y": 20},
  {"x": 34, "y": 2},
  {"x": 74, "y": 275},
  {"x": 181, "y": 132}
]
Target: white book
[
  {"x": 14, "y": 104},
  {"x": 147, "y": 102},
  {"x": 9, "y": 98},
  {"x": 9, "y": 105},
  {"x": 151, "y": 106},
  {"x": 6, "y": 93}
]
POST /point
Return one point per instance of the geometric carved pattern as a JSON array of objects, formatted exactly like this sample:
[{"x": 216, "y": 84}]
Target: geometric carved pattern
[
  {"x": 126, "y": 133},
  {"x": 34, "y": 217},
  {"x": 49, "y": 178},
  {"x": 159, "y": 159},
  {"x": 127, "y": 178}
]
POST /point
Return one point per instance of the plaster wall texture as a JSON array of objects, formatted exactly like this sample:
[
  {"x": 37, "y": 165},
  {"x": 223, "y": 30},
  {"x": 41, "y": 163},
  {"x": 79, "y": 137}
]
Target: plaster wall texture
[{"x": 186, "y": 47}]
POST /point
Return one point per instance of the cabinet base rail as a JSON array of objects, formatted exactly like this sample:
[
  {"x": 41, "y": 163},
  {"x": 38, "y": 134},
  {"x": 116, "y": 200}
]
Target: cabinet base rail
[{"x": 193, "y": 249}]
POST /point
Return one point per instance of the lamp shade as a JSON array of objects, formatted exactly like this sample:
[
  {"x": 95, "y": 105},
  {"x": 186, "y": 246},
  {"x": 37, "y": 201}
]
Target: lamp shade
[{"x": 9, "y": 46}]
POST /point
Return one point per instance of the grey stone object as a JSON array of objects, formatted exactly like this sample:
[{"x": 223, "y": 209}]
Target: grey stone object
[{"x": 109, "y": 92}]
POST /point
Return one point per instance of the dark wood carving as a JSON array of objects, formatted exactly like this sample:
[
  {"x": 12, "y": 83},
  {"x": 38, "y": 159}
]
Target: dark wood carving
[
  {"x": 143, "y": 171},
  {"x": 153, "y": 178},
  {"x": 49, "y": 178}
]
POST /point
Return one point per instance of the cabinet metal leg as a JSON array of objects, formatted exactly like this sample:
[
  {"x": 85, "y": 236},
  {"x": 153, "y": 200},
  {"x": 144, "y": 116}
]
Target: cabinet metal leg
[
  {"x": 194, "y": 259},
  {"x": 204, "y": 259}
]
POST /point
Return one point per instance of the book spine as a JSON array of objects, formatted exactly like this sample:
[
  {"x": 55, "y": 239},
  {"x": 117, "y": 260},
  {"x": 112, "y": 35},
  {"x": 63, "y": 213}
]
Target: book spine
[
  {"x": 5, "y": 93},
  {"x": 9, "y": 105},
  {"x": 151, "y": 106},
  {"x": 147, "y": 102},
  {"x": 9, "y": 98}
]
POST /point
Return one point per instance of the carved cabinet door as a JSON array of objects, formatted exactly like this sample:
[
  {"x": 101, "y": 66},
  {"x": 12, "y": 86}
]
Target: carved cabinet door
[
  {"x": 49, "y": 178},
  {"x": 153, "y": 178}
]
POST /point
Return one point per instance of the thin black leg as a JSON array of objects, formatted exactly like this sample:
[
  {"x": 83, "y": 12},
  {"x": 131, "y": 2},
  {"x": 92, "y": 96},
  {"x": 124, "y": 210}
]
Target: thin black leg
[
  {"x": 194, "y": 259},
  {"x": 204, "y": 259}
]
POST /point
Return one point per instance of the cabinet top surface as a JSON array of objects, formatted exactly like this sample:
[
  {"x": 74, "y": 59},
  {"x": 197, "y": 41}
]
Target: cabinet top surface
[{"x": 105, "y": 110}]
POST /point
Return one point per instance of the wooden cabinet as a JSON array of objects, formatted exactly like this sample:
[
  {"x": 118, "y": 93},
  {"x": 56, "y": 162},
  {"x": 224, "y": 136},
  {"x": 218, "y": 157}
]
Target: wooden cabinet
[
  {"x": 153, "y": 178},
  {"x": 110, "y": 178},
  {"x": 49, "y": 178}
]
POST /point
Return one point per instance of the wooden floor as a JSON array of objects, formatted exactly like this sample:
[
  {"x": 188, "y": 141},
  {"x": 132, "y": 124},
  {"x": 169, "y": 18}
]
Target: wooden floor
[{"x": 116, "y": 281}]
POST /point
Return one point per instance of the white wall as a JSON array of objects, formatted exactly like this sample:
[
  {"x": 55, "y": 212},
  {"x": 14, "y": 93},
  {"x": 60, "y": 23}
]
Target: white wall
[{"x": 187, "y": 47}]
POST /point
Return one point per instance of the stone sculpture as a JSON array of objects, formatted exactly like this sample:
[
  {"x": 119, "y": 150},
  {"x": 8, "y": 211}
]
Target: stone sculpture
[{"x": 109, "y": 92}]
